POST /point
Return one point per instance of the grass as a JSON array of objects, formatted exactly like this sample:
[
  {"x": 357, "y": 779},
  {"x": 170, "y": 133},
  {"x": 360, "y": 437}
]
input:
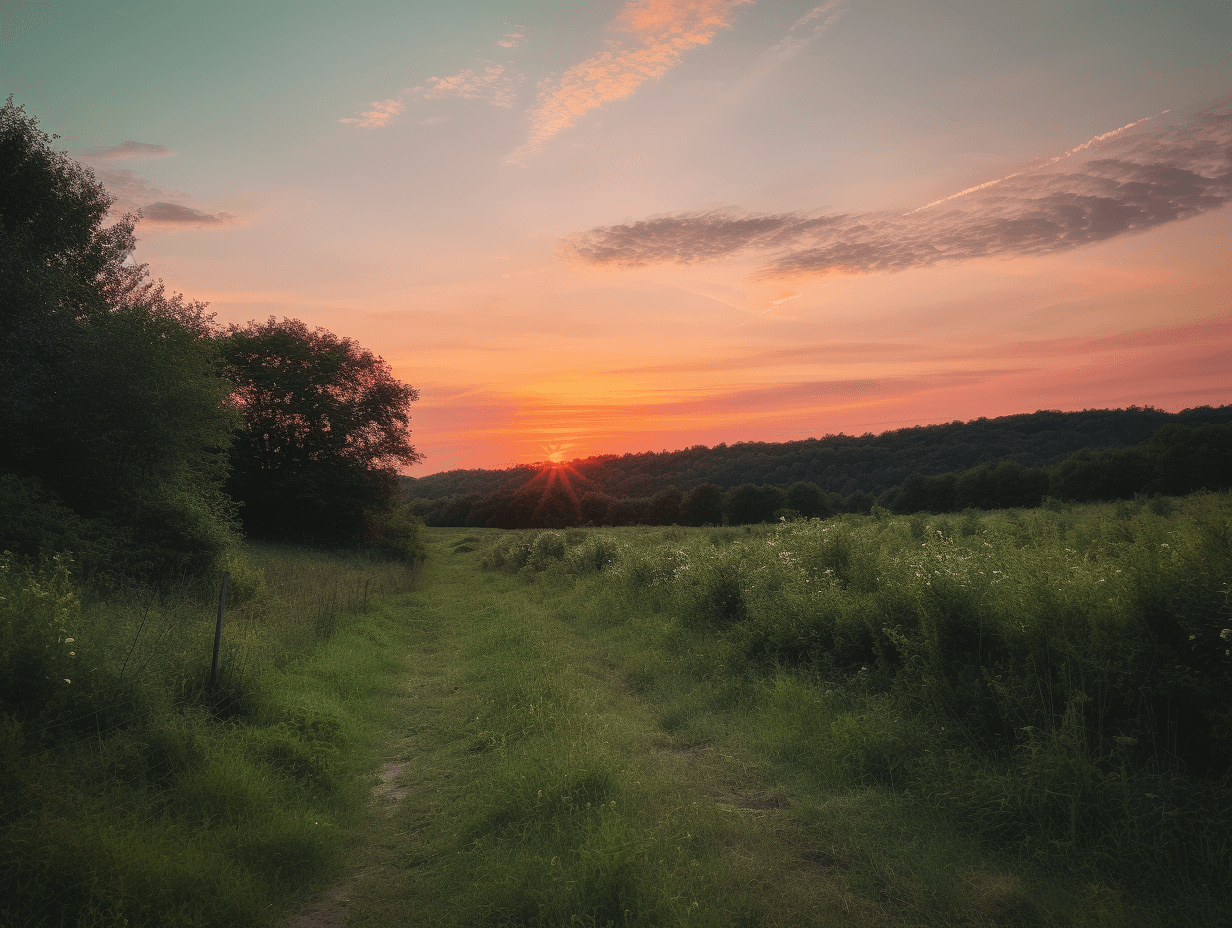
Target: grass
[
  {"x": 864, "y": 722},
  {"x": 136, "y": 794},
  {"x": 547, "y": 778},
  {"x": 812, "y": 724}
]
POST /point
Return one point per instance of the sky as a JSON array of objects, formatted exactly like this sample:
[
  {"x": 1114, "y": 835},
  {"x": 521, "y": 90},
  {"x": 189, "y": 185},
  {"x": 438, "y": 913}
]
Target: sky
[{"x": 586, "y": 227}]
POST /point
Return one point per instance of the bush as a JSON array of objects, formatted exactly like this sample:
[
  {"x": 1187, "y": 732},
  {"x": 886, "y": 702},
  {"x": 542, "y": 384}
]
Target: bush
[
  {"x": 39, "y": 610},
  {"x": 397, "y": 533}
]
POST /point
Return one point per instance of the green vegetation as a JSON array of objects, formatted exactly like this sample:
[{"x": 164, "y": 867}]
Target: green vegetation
[
  {"x": 1020, "y": 717},
  {"x": 111, "y": 391},
  {"x": 1011, "y": 718},
  {"x": 325, "y": 426},
  {"x": 841, "y": 464},
  {"x": 138, "y": 433},
  {"x": 1015, "y": 718},
  {"x": 1179, "y": 459},
  {"x": 134, "y": 793}
]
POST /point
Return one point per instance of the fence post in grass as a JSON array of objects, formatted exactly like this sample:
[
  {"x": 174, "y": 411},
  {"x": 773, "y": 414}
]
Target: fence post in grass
[{"x": 222, "y": 599}]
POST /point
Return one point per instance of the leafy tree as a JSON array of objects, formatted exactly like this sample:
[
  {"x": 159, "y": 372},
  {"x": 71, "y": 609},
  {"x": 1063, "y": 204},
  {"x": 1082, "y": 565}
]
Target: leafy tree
[
  {"x": 809, "y": 500},
  {"x": 1001, "y": 486},
  {"x": 111, "y": 393},
  {"x": 664, "y": 507},
  {"x": 703, "y": 505},
  {"x": 595, "y": 507},
  {"x": 925, "y": 494},
  {"x": 1193, "y": 458},
  {"x": 748, "y": 504},
  {"x": 1116, "y": 473},
  {"x": 629, "y": 512},
  {"x": 325, "y": 427}
]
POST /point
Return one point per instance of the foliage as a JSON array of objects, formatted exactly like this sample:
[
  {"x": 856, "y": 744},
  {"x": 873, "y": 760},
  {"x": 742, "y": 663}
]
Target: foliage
[
  {"x": 131, "y": 791},
  {"x": 1178, "y": 459},
  {"x": 841, "y": 464},
  {"x": 1058, "y": 679},
  {"x": 397, "y": 534},
  {"x": 325, "y": 425},
  {"x": 111, "y": 390}
]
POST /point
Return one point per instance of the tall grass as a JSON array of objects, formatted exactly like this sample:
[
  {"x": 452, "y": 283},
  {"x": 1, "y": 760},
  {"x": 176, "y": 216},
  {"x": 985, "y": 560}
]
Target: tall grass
[
  {"x": 1055, "y": 683},
  {"x": 134, "y": 792}
]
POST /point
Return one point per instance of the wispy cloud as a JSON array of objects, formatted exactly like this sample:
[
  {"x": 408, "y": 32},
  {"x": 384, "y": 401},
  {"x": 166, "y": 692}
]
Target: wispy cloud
[
  {"x": 1129, "y": 180},
  {"x": 175, "y": 215},
  {"x": 660, "y": 32},
  {"x": 132, "y": 192},
  {"x": 130, "y": 189},
  {"x": 807, "y": 28},
  {"x": 381, "y": 113},
  {"x": 511, "y": 39},
  {"x": 133, "y": 151},
  {"x": 18, "y": 17},
  {"x": 494, "y": 84}
]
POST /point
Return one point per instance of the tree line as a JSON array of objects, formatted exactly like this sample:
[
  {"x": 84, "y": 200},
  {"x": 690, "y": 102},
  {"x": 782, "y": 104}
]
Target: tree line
[
  {"x": 1178, "y": 459},
  {"x": 844, "y": 464},
  {"x": 143, "y": 436}
]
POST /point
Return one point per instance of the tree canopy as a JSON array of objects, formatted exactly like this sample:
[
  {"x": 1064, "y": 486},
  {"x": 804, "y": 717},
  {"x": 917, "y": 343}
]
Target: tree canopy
[
  {"x": 325, "y": 427},
  {"x": 111, "y": 391}
]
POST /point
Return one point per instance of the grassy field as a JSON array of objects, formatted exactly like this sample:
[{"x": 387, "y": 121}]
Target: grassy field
[
  {"x": 990, "y": 719},
  {"x": 132, "y": 793},
  {"x": 869, "y": 721}
]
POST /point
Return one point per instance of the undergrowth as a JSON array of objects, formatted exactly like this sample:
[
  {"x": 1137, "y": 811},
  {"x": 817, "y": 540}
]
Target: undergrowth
[
  {"x": 1054, "y": 685},
  {"x": 135, "y": 791}
]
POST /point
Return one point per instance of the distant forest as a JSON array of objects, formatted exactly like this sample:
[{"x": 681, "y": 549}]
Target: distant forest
[{"x": 986, "y": 463}]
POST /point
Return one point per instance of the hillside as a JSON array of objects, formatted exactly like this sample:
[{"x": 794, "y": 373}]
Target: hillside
[{"x": 843, "y": 464}]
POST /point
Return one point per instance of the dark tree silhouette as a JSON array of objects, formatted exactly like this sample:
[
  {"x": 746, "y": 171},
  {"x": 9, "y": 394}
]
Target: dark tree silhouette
[
  {"x": 809, "y": 500},
  {"x": 703, "y": 505},
  {"x": 749, "y": 504},
  {"x": 325, "y": 427},
  {"x": 110, "y": 391}
]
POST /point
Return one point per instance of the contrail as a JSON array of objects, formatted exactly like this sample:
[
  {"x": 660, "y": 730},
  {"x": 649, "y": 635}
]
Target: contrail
[{"x": 1073, "y": 151}]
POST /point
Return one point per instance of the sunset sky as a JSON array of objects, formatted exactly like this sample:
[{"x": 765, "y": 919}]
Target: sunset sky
[{"x": 593, "y": 226}]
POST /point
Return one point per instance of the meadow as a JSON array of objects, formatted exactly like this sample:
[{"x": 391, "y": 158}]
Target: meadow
[
  {"x": 134, "y": 792},
  {"x": 1008, "y": 718},
  {"x": 1002, "y": 718}
]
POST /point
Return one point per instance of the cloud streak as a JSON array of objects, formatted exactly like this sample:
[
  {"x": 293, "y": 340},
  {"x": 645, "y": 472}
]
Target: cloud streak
[
  {"x": 17, "y": 17},
  {"x": 133, "y": 151},
  {"x": 132, "y": 192},
  {"x": 807, "y": 29},
  {"x": 182, "y": 217},
  {"x": 381, "y": 113},
  {"x": 660, "y": 32},
  {"x": 1132, "y": 179},
  {"x": 494, "y": 84}
]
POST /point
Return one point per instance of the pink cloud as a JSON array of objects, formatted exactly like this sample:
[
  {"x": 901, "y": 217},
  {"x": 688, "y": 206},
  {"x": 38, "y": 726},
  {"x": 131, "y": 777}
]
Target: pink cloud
[
  {"x": 1131, "y": 179},
  {"x": 132, "y": 192},
  {"x": 181, "y": 217},
  {"x": 494, "y": 84},
  {"x": 661, "y": 32},
  {"x": 379, "y": 116}
]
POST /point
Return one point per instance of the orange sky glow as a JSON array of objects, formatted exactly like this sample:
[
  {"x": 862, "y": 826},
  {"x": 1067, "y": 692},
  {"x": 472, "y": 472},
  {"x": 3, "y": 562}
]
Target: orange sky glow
[{"x": 630, "y": 225}]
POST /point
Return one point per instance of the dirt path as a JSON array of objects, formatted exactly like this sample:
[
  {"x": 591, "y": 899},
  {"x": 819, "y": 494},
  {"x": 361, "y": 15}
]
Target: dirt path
[{"x": 524, "y": 778}]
